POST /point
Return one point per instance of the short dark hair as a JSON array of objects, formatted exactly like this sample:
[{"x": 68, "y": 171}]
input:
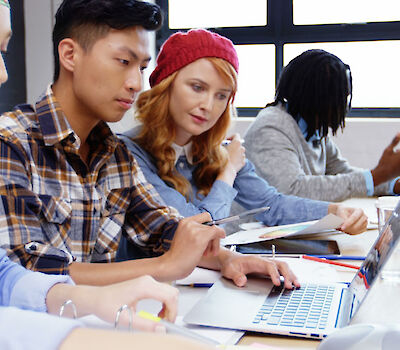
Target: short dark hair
[
  {"x": 88, "y": 20},
  {"x": 315, "y": 86}
]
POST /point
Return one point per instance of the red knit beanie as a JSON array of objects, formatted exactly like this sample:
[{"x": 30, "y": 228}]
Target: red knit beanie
[{"x": 182, "y": 48}]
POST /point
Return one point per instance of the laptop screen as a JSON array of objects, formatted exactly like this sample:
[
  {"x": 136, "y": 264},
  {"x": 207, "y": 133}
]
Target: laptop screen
[{"x": 378, "y": 255}]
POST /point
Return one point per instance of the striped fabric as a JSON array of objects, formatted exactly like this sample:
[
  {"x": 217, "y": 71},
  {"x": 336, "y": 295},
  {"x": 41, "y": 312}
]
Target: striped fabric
[{"x": 55, "y": 209}]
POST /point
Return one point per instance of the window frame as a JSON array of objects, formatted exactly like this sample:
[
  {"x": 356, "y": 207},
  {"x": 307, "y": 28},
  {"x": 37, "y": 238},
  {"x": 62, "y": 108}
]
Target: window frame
[{"x": 280, "y": 30}]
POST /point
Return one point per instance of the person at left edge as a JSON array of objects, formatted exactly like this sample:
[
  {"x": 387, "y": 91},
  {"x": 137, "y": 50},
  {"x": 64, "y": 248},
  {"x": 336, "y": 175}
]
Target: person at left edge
[{"x": 69, "y": 187}]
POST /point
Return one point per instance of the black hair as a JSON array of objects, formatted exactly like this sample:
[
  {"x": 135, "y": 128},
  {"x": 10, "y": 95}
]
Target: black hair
[
  {"x": 88, "y": 20},
  {"x": 315, "y": 86}
]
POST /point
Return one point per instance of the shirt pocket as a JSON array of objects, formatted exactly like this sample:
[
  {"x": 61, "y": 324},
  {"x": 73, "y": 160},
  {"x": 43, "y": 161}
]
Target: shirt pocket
[
  {"x": 111, "y": 224},
  {"x": 117, "y": 202},
  {"x": 55, "y": 209}
]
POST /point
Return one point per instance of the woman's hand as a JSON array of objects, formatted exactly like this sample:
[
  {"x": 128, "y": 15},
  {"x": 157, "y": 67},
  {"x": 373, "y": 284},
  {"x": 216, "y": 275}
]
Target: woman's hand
[
  {"x": 236, "y": 160},
  {"x": 236, "y": 152},
  {"x": 355, "y": 220}
]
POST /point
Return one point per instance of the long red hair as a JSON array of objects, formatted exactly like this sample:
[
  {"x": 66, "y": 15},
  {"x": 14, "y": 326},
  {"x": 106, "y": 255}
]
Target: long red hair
[{"x": 158, "y": 134}]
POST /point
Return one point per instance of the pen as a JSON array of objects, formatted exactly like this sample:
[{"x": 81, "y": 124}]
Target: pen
[
  {"x": 340, "y": 257},
  {"x": 173, "y": 328},
  {"x": 201, "y": 285},
  {"x": 327, "y": 257},
  {"x": 227, "y": 142},
  {"x": 235, "y": 217},
  {"x": 313, "y": 258}
]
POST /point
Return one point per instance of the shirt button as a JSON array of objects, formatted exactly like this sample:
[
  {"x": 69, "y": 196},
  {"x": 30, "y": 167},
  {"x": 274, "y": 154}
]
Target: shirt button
[{"x": 181, "y": 165}]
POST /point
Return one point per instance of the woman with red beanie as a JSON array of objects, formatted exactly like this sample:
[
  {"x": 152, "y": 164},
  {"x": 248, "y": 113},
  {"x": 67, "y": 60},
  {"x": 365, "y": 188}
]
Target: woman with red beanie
[{"x": 179, "y": 144}]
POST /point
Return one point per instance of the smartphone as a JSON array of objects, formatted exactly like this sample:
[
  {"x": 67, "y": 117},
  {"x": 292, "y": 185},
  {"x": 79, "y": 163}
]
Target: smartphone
[{"x": 291, "y": 246}]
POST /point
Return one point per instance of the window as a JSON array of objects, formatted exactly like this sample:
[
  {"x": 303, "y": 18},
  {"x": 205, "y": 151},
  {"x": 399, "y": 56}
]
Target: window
[
  {"x": 256, "y": 62},
  {"x": 363, "y": 33},
  {"x": 344, "y": 11},
  {"x": 373, "y": 68},
  {"x": 207, "y": 13}
]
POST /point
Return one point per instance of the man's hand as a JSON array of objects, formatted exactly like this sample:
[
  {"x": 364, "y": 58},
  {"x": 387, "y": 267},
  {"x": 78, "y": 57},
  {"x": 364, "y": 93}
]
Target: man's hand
[
  {"x": 236, "y": 266},
  {"x": 389, "y": 164},
  {"x": 192, "y": 241},
  {"x": 355, "y": 220}
]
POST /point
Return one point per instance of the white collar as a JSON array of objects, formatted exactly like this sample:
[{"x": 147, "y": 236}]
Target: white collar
[{"x": 185, "y": 150}]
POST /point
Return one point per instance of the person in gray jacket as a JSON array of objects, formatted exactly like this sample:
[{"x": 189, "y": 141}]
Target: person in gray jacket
[{"x": 289, "y": 144}]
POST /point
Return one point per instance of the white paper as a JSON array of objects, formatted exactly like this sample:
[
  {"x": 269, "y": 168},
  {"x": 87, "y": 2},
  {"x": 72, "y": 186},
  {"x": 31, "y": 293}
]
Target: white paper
[
  {"x": 222, "y": 336},
  {"x": 326, "y": 224},
  {"x": 316, "y": 272},
  {"x": 201, "y": 276}
]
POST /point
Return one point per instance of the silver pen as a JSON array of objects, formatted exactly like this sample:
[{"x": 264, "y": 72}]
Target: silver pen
[
  {"x": 236, "y": 217},
  {"x": 180, "y": 330}
]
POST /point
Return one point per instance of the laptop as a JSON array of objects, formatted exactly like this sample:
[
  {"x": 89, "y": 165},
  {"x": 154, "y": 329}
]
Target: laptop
[{"x": 312, "y": 311}]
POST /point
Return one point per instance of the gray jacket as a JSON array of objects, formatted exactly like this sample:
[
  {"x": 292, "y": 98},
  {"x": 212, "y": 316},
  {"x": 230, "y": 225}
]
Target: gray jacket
[{"x": 282, "y": 156}]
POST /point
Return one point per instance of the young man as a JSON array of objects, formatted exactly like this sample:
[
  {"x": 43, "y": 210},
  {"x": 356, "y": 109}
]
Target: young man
[
  {"x": 25, "y": 296},
  {"x": 69, "y": 188}
]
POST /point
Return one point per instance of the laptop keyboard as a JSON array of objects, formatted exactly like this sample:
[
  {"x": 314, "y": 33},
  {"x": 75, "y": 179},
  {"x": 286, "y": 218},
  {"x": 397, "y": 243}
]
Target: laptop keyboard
[{"x": 305, "y": 307}]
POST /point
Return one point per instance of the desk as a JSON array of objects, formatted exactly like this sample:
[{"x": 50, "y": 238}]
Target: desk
[{"x": 382, "y": 297}]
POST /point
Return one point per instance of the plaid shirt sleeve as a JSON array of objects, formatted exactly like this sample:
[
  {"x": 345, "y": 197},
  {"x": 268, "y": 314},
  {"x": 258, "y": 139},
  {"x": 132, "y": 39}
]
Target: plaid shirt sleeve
[{"x": 22, "y": 212}]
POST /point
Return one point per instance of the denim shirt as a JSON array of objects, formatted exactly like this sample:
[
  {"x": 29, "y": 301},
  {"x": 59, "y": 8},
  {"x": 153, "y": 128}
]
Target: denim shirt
[
  {"x": 25, "y": 289},
  {"x": 249, "y": 190},
  {"x": 22, "y": 294}
]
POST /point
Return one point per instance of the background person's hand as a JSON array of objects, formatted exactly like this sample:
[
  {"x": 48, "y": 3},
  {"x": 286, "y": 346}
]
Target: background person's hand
[{"x": 389, "y": 164}]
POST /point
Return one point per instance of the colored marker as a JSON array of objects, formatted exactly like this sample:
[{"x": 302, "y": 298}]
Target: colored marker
[{"x": 313, "y": 258}]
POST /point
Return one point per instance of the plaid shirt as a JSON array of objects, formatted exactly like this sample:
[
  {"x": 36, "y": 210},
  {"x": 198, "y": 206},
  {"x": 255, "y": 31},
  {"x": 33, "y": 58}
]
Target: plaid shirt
[{"x": 56, "y": 209}]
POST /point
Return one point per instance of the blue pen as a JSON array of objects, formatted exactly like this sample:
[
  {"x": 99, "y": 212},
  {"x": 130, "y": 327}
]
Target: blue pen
[
  {"x": 339, "y": 257},
  {"x": 201, "y": 285}
]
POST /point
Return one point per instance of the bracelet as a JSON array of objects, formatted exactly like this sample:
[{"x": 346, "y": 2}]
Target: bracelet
[
  {"x": 64, "y": 305},
  {"x": 120, "y": 310}
]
